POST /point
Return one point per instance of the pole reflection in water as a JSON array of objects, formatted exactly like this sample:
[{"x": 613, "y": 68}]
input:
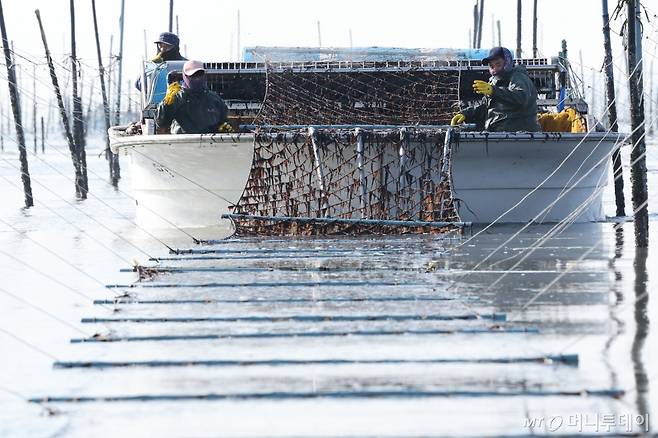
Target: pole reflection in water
[
  {"x": 641, "y": 330},
  {"x": 614, "y": 303}
]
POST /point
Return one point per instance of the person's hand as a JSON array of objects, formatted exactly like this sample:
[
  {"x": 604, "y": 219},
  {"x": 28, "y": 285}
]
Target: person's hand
[
  {"x": 458, "y": 119},
  {"x": 225, "y": 127},
  {"x": 172, "y": 90},
  {"x": 158, "y": 58},
  {"x": 482, "y": 87}
]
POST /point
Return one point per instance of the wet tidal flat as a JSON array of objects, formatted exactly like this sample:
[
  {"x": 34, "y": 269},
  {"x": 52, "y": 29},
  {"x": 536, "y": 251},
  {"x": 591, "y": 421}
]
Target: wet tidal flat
[{"x": 484, "y": 334}]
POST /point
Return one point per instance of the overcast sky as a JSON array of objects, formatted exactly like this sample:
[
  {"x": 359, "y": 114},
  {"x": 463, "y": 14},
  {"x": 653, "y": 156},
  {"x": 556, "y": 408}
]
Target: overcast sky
[{"x": 208, "y": 29}]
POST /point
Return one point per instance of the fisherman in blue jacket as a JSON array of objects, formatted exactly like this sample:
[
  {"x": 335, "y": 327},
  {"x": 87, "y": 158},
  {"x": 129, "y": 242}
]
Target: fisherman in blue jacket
[
  {"x": 509, "y": 101},
  {"x": 192, "y": 108}
]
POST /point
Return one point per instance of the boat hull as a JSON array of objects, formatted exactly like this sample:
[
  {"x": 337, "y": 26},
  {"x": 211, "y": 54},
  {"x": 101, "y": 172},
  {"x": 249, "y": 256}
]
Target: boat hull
[
  {"x": 188, "y": 181},
  {"x": 185, "y": 181},
  {"x": 542, "y": 177}
]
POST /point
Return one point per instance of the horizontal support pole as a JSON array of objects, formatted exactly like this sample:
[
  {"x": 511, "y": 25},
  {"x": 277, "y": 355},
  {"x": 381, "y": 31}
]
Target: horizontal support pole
[
  {"x": 564, "y": 359},
  {"x": 362, "y": 127},
  {"x": 323, "y": 334},
  {"x": 500, "y": 317},
  {"x": 614, "y": 393},
  {"x": 331, "y": 221},
  {"x": 269, "y": 284},
  {"x": 282, "y": 300}
]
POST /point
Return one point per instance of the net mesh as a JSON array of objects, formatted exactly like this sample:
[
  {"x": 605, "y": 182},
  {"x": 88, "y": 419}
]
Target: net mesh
[
  {"x": 340, "y": 180},
  {"x": 381, "y": 176},
  {"x": 359, "y": 96}
]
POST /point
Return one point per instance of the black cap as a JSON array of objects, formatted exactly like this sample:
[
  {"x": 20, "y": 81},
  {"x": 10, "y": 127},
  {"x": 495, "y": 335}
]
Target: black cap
[
  {"x": 496, "y": 52},
  {"x": 168, "y": 38}
]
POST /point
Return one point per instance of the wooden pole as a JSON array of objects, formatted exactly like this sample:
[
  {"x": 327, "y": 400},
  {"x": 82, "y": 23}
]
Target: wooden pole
[
  {"x": 475, "y": 26},
  {"x": 238, "y": 39},
  {"x": 493, "y": 31},
  {"x": 534, "y": 30},
  {"x": 146, "y": 52},
  {"x": 518, "y": 29},
  {"x": 638, "y": 158},
  {"x": 13, "y": 95},
  {"x": 171, "y": 15},
  {"x": 110, "y": 71},
  {"x": 43, "y": 140},
  {"x": 612, "y": 111},
  {"x": 106, "y": 105},
  {"x": 652, "y": 116},
  {"x": 2, "y": 127},
  {"x": 177, "y": 30},
  {"x": 114, "y": 159},
  {"x": 34, "y": 105},
  {"x": 117, "y": 113},
  {"x": 78, "y": 137},
  {"x": 129, "y": 98},
  {"x": 480, "y": 22},
  {"x": 500, "y": 40},
  {"x": 62, "y": 111}
]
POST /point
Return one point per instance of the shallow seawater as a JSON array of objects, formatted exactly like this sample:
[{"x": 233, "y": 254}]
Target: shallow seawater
[{"x": 368, "y": 336}]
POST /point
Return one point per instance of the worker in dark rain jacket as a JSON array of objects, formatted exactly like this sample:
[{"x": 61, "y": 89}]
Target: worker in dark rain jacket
[
  {"x": 192, "y": 108},
  {"x": 509, "y": 101},
  {"x": 168, "y": 46}
]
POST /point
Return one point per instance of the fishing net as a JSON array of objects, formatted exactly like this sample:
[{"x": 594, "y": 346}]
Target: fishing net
[
  {"x": 366, "y": 96},
  {"x": 333, "y": 181},
  {"x": 351, "y": 149}
]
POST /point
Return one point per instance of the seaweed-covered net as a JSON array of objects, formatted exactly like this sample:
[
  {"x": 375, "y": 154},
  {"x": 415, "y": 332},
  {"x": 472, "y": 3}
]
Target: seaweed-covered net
[
  {"x": 329, "y": 180},
  {"x": 366, "y": 96}
]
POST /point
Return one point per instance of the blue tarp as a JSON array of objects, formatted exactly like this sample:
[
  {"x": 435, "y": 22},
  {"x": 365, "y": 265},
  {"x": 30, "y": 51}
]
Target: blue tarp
[{"x": 282, "y": 54}]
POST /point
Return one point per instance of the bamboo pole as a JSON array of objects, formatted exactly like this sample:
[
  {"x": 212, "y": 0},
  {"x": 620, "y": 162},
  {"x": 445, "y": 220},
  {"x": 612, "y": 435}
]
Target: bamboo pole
[
  {"x": 13, "y": 95},
  {"x": 34, "y": 105},
  {"x": 43, "y": 140},
  {"x": 171, "y": 15},
  {"x": 474, "y": 43},
  {"x": 651, "y": 112},
  {"x": 612, "y": 111},
  {"x": 146, "y": 52},
  {"x": 110, "y": 71},
  {"x": 106, "y": 105},
  {"x": 2, "y": 127},
  {"x": 114, "y": 158},
  {"x": 62, "y": 111},
  {"x": 534, "y": 30},
  {"x": 518, "y": 29},
  {"x": 78, "y": 137},
  {"x": 480, "y": 22},
  {"x": 638, "y": 159},
  {"x": 237, "y": 39},
  {"x": 582, "y": 72},
  {"x": 117, "y": 113},
  {"x": 500, "y": 40},
  {"x": 129, "y": 95}
]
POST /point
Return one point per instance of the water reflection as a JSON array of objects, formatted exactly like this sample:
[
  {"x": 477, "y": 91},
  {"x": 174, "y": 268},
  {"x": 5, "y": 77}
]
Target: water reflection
[
  {"x": 613, "y": 306},
  {"x": 641, "y": 330}
]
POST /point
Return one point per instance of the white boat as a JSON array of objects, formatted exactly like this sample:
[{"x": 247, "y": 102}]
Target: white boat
[
  {"x": 184, "y": 181},
  {"x": 189, "y": 181},
  {"x": 542, "y": 177}
]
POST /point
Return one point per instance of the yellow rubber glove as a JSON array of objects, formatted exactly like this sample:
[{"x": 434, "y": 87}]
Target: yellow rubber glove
[
  {"x": 225, "y": 127},
  {"x": 158, "y": 58},
  {"x": 458, "y": 119},
  {"x": 482, "y": 87},
  {"x": 172, "y": 90}
]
